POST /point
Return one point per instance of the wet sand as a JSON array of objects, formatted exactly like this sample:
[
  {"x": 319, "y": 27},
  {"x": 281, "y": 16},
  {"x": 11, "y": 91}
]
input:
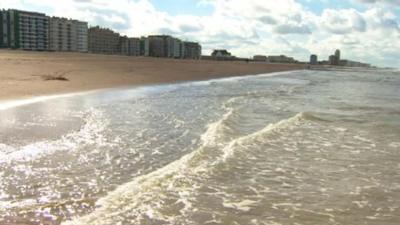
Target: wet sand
[{"x": 27, "y": 74}]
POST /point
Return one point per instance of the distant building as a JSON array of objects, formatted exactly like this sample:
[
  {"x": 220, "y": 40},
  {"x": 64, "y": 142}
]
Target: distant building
[
  {"x": 221, "y": 54},
  {"x": 260, "y": 58},
  {"x": 191, "y": 50},
  {"x": 350, "y": 63},
  {"x": 313, "y": 59},
  {"x": 129, "y": 46},
  {"x": 5, "y": 34},
  {"x": 103, "y": 41},
  {"x": 24, "y": 30},
  {"x": 281, "y": 59},
  {"x": 174, "y": 47},
  {"x": 165, "y": 46},
  {"x": 157, "y": 46},
  {"x": 124, "y": 45},
  {"x": 337, "y": 54},
  {"x": 334, "y": 59},
  {"x": 134, "y": 46},
  {"x": 68, "y": 35},
  {"x": 144, "y": 46}
]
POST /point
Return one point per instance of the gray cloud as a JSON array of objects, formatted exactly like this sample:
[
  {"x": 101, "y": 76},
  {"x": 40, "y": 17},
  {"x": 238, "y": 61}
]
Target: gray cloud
[
  {"x": 267, "y": 20},
  {"x": 393, "y": 2},
  {"x": 344, "y": 22},
  {"x": 292, "y": 29},
  {"x": 167, "y": 31},
  {"x": 189, "y": 28}
]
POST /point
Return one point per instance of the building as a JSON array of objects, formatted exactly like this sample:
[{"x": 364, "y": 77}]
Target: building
[
  {"x": 221, "y": 54},
  {"x": 4, "y": 29},
  {"x": 24, "y": 30},
  {"x": 173, "y": 46},
  {"x": 313, "y": 59},
  {"x": 129, "y": 46},
  {"x": 144, "y": 46},
  {"x": 350, "y": 63},
  {"x": 157, "y": 46},
  {"x": 337, "y": 54},
  {"x": 334, "y": 60},
  {"x": 103, "y": 41},
  {"x": 164, "y": 46},
  {"x": 281, "y": 59},
  {"x": 191, "y": 50},
  {"x": 124, "y": 45},
  {"x": 260, "y": 58},
  {"x": 68, "y": 35}
]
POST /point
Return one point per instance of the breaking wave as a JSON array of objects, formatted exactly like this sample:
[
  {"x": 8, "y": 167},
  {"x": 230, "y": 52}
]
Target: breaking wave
[{"x": 143, "y": 198}]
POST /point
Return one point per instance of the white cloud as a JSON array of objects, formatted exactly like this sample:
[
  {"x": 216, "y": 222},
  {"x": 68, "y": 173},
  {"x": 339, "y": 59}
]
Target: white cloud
[
  {"x": 248, "y": 27},
  {"x": 342, "y": 21}
]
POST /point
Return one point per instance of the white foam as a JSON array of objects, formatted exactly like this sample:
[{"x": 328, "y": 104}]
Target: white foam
[
  {"x": 394, "y": 144},
  {"x": 244, "y": 205},
  {"x": 238, "y": 78},
  {"x": 249, "y": 139},
  {"x": 90, "y": 133},
  {"x": 143, "y": 193},
  {"x": 8, "y": 104}
]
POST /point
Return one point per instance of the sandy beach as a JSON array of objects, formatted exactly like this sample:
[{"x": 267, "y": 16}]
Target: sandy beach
[{"x": 27, "y": 74}]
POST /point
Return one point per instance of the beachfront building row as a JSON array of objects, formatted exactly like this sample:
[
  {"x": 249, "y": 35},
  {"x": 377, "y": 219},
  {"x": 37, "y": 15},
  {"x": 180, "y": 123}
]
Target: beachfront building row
[
  {"x": 274, "y": 59},
  {"x": 24, "y": 30},
  {"x": 106, "y": 41},
  {"x": 171, "y": 47},
  {"x": 38, "y": 32},
  {"x": 68, "y": 35},
  {"x": 335, "y": 60}
]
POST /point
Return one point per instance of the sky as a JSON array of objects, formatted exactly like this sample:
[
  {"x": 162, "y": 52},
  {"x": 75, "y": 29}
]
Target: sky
[{"x": 364, "y": 30}]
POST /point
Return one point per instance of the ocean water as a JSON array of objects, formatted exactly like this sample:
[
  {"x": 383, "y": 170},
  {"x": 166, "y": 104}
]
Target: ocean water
[{"x": 302, "y": 147}]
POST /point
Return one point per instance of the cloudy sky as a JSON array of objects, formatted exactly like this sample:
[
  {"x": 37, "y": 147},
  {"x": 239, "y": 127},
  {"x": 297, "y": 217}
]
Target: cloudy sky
[{"x": 365, "y": 30}]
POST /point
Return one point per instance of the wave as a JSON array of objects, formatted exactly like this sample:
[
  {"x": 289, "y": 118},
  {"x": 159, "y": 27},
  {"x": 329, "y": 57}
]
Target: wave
[{"x": 140, "y": 198}]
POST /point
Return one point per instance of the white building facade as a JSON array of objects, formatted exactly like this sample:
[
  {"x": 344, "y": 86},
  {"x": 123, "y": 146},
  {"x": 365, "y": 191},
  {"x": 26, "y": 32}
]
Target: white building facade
[{"x": 68, "y": 35}]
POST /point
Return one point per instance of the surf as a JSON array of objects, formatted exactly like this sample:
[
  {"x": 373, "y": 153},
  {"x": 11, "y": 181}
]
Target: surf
[{"x": 141, "y": 196}]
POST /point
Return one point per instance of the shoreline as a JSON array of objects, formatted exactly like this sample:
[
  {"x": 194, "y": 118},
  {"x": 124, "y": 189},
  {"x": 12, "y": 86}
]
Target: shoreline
[
  {"x": 6, "y": 104},
  {"x": 26, "y": 75}
]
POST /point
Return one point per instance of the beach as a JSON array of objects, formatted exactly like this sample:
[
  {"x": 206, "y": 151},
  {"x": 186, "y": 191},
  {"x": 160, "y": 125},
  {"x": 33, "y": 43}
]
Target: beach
[{"x": 25, "y": 74}]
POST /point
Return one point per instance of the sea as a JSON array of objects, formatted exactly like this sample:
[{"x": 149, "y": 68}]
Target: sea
[{"x": 306, "y": 147}]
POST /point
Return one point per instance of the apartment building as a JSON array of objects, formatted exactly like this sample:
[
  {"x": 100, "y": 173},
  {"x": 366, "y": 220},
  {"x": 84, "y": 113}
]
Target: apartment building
[
  {"x": 281, "y": 59},
  {"x": 68, "y": 35},
  {"x": 313, "y": 59},
  {"x": 24, "y": 30},
  {"x": 260, "y": 58},
  {"x": 164, "y": 46},
  {"x": 191, "y": 50},
  {"x": 103, "y": 41},
  {"x": 174, "y": 46},
  {"x": 129, "y": 46},
  {"x": 144, "y": 46},
  {"x": 157, "y": 46},
  {"x": 4, "y": 29}
]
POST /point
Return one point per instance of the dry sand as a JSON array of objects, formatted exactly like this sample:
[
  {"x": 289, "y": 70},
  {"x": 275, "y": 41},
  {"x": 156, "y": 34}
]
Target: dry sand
[{"x": 26, "y": 74}]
